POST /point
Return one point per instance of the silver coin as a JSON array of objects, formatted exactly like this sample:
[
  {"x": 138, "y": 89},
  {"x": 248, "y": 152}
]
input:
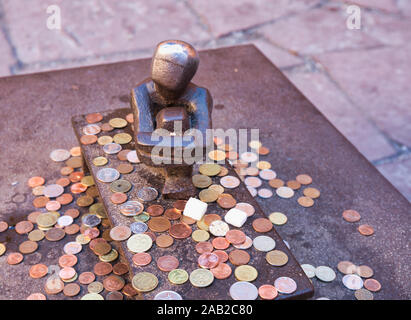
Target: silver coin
[
  {"x": 65, "y": 221},
  {"x": 53, "y": 190},
  {"x": 60, "y": 155},
  {"x": 167, "y": 295},
  {"x": 243, "y": 290},
  {"x": 352, "y": 281},
  {"x": 325, "y": 273},
  {"x": 309, "y": 270},
  {"x": 285, "y": 285},
  {"x": 132, "y": 157},
  {"x": 264, "y": 243},
  {"x": 265, "y": 193},
  {"x": 107, "y": 175},
  {"x": 138, "y": 227},
  {"x": 285, "y": 192},
  {"x": 267, "y": 174},
  {"x": 91, "y": 129},
  {"x": 112, "y": 148},
  {"x": 91, "y": 220},
  {"x": 147, "y": 194},
  {"x": 230, "y": 182}
]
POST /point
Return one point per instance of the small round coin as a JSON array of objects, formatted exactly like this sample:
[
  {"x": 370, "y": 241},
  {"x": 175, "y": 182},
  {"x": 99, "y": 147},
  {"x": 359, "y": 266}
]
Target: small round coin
[
  {"x": 325, "y": 273},
  {"x": 276, "y": 258},
  {"x": 285, "y": 285},
  {"x": 245, "y": 273},
  {"x": 178, "y": 276},
  {"x": 144, "y": 281},
  {"x": 201, "y": 278},
  {"x": 243, "y": 290}
]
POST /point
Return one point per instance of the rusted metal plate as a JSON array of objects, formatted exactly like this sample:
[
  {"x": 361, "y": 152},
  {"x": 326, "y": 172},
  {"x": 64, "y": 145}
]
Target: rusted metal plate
[
  {"x": 248, "y": 92},
  {"x": 184, "y": 250}
]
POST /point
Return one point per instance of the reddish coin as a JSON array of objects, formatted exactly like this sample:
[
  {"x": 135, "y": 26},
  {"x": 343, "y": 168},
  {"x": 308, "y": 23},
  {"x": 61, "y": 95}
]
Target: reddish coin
[
  {"x": 35, "y": 182},
  {"x": 38, "y": 271},
  {"x": 67, "y": 260},
  {"x": 65, "y": 198},
  {"x": 180, "y": 230},
  {"x": 28, "y": 247},
  {"x": 141, "y": 259},
  {"x": 220, "y": 243},
  {"x": 94, "y": 117},
  {"x": 74, "y": 213},
  {"x": 88, "y": 139},
  {"x": 155, "y": 210},
  {"x": 239, "y": 257},
  {"x": 118, "y": 198},
  {"x": 53, "y": 205},
  {"x": 78, "y": 188},
  {"x": 208, "y": 260},
  {"x": 304, "y": 179},
  {"x": 71, "y": 289},
  {"x": 221, "y": 271},
  {"x": 267, "y": 292},
  {"x": 172, "y": 214},
  {"x": 103, "y": 268},
  {"x": 167, "y": 263},
  {"x": 276, "y": 183},
  {"x": 209, "y": 218},
  {"x": 64, "y": 182},
  {"x": 24, "y": 227},
  {"x": 222, "y": 255},
  {"x": 164, "y": 241},
  {"x": 180, "y": 204},
  {"x": 14, "y": 258},
  {"x": 76, "y": 176},
  {"x": 113, "y": 283},
  {"x": 366, "y": 230},
  {"x": 4, "y": 225},
  {"x": 235, "y": 237},
  {"x": 351, "y": 215},
  {"x": 262, "y": 225},
  {"x": 40, "y": 202},
  {"x": 67, "y": 273},
  {"x": 36, "y": 296},
  {"x": 226, "y": 201},
  {"x": 72, "y": 229},
  {"x": 120, "y": 268},
  {"x": 86, "y": 277},
  {"x": 204, "y": 246},
  {"x": 372, "y": 285}
]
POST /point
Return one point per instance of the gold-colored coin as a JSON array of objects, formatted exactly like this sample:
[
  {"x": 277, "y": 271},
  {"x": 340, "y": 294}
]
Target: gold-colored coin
[
  {"x": 95, "y": 287},
  {"x": 88, "y": 181},
  {"x": 100, "y": 161},
  {"x": 202, "y": 225},
  {"x": 217, "y": 155},
  {"x": 201, "y": 278},
  {"x": 245, "y": 273},
  {"x": 208, "y": 195},
  {"x": 103, "y": 140},
  {"x": 255, "y": 144},
  {"x": 38, "y": 191},
  {"x": 109, "y": 257},
  {"x": 122, "y": 138},
  {"x": 178, "y": 276},
  {"x": 139, "y": 243},
  {"x": 118, "y": 123},
  {"x": 92, "y": 296},
  {"x": 200, "y": 235},
  {"x": 84, "y": 201},
  {"x": 36, "y": 235},
  {"x": 305, "y": 202},
  {"x": 277, "y": 218},
  {"x": 46, "y": 220},
  {"x": 56, "y": 214},
  {"x": 216, "y": 187},
  {"x": 70, "y": 280},
  {"x": 210, "y": 169},
  {"x": 82, "y": 239},
  {"x": 312, "y": 193},
  {"x": 98, "y": 210},
  {"x": 276, "y": 258},
  {"x": 144, "y": 281},
  {"x": 201, "y": 181},
  {"x": 263, "y": 165},
  {"x": 2, "y": 249}
]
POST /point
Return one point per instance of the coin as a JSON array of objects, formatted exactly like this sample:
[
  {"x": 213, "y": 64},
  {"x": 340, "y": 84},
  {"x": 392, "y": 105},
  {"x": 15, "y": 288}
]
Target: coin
[
  {"x": 262, "y": 225},
  {"x": 91, "y": 220},
  {"x": 75, "y": 162},
  {"x": 267, "y": 292},
  {"x": 254, "y": 182},
  {"x": 209, "y": 169},
  {"x": 180, "y": 230},
  {"x": 155, "y": 210},
  {"x": 159, "y": 224},
  {"x": 178, "y": 276},
  {"x": 245, "y": 273},
  {"x": 305, "y": 202},
  {"x": 249, "y": 157},
  {"x": 201, "y": 278},
  {"x": 92, "y": 296},
  {"x": 139, "y": 243},
  {"x": 38, "y": 191},
  {"x": 264, "y": 243},
  {"x": 304, "y": 179},
  {"x": 217, "y": 155},
  {"x": 144, "y": 281},
  {"x": 208, "y": 195},
  {"x": 352, "y": 282},
  {"x": 219, "y": 228},
  {"x": 208, "y": 260},
  {"x": 172, "y": 214},
  {"x": 235, "y": 237},
  {"x": 53, "y": 190},
  {"x": 204, "y": 246},
  {"x": 277, "y": 218},
  {"x": 65, "y": 198},
  {"x": 226, "y": 201},
  {"x": 38, "y": 271},
  {"x": 72, "y": 247},
  {"x": 201, "y": 181},
  {"x": 100, "y": 161},
  {"x": 243, "y": 290},
  {"x": 88, "y": 139},
  {"x": 325, "y": 273},
  {"x": 112, "y": 148},
  {"x": 67, "y": 273},
  {"x": 351, "y": 215},
  {"x": 265, "y": 193},
  {"x": 230, "y": 182},
  {"x": 14, "y": 258},
  {"x": 46, "y": 220},
  {"x": 285, "y": 285},
  {"x": 223, "y": 172},
  {"x": 55, "y": 234},
  {"x": 221, "y": 271},
  {"x": 23, "y": 227},
  {"x": 312, "y": 193},
  {"x": 363, "y": 294},
  {"x": 285, "y": 192},
  {"x": 91, "y": 129},
  {"x": 65, "y": 171},
  {"x": 95, "y": 287},
  {"x": 34, "y": 182},
  {"x": 167, "y": 263},
  {"x": 346, "y": 267},
  {"x": 164, "y": 241},
  {"x": 67, "y": 260},
  {"x": 276, "y": 183},
  {"x": 86, "y": 277},
  {"x": 36, "y": 296},
  {"x": 276, "y": 258},
  {"x": 239, "y": 257},
  {"x": 125, "y": 168},
  {"x": 60, "y": 155},
  {"x": 366, "y": 230},
  {"x": 71, "y": 290},
  {"x": 309, "y": 270},
  {"x": 28, "y": 247},
  {"x": 220, "y": 243},
  {"x": 107, "y": 175},
  {"x": 103, "y": 268},
  {"x": 122, "y": 138},
  {"x": 114, "y": 295},
  {"x": 246, "y": 245},
  {"x": 53, "y": 285},
  {"x": 118, "y": 198},
  {"x": 106, "y": 127},
  {"x": 267, "y": 174},
  {"x": 372, "y": 285},
  {"x": 364, "y": 271},
  {"x": 120, "y": 185},
  {"x": 147, "y": 194},
  {"x": 113, "y": 283},
  {"x": 94, "y": 117},
  {"x": 293, "y": 184},
  {"x": 141, "y": 259},
  {"x": 118, "y": 123},
  {"x": 103, "y": 140},
  {"x": 36, "y": 235},
  {"x": 120, "y": 233}
]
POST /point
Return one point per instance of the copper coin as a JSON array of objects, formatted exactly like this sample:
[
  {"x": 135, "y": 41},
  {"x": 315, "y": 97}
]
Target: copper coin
[
  {"x": 252, "y": 171},
  {"x": 67, "y": 273},
  {"x": 209, "y": 218},
  {"x": 120, "y": 268},
  {"x": 305, "y": 202},
  {"x": 187, "y": 220},
  {"x": 106, "y": 127},
  {"x": 220, "y": 243},
  {"x": 72, "y": 229},
  {"x": 28, "y": 247},
  {"x": 53, "y": 205},
  {"x": 180, "y": 231},
  {"x": 93, "y": 243},
  {"x": 40, "y": 202},
  {"x": 304, "y": 179},
  {"x": 372, "y": 285},
  {"x": 267, "y": 292},
  {"x": 159, "y": 224},
  {"x": 293, "y": 184},
  {"x": 129, "y": 291},
  {"x": 118, "y": 197},
  {"x": 346, "y": 267},
  {"x": 65, "y": 171},
  {"x": 67, "y": 260},
  {"x": 103, "y": 268},
  {"x": 102, "y": 248},
  {"x": 263, "y": 151},
  {"x": 208, "y": 260},
  {"x": 120, "y": 233},
  {"x": 141, "y": 259},
  {"x": 366, "y": 230},
  {"x": 221, "y": 271},
  {"x": 222, "y": 255},
  {"x": 36, "y": 296},
  {"x": 204, "y": 246},
  {"x": 351, "y": 215},
  {"x": 74, "y": 213},
  {"x": 76, "y": 176},
  {"x": 246, "y": 207},
  {"x": 167, "y": 263},
  {"x": 151, "y": 235},
  {"x": 312, "y": 193},
  {"x": 88, "y": 139},
  {"x": 94, "y": 117},
  {"x": 226, "y": 201},
  {"x": 84, "y": 201},
  {"x": 74, "y": 162},
  {"x": 235, "y": 236},
  {"x": 55, "y": 234},
  {"x": 14, "y": 258},
  {"x": 71, "y": 289},
  {"x": 32, "y": 217},
  {"x": 4, "y": 225},
  {"x": 78, "y": 188},
  {"x": 54, "y": 285},
  {"x": 125, "y": 168},
  {"x": 364, "y": 271},
  {"x": 239, "y": 257},
  {"x": 172, "y": 214},
  {"x": 262, "y": 225},
  {"x": 24, "y": 227},
  {"x": 92, "y": 233},
  {"x": 64, "y": 182},
  {"x": 113, "y": 283},
  {"x": 114, "y": 295},
  {"x": 180, "y": 204},
  {"x": 38, "y": 271},
  {"x": 65, "y": 198},
  {"x": 155, "y": 210},
  {"x": 122, "y": 155},
  {"x": 35, "y": 182},
  {"x": 164, "y": 241},
  {"x": 276, "y": 183},
  {"x": 86, "y": 277},
  {"x": 75, "y": 151}
]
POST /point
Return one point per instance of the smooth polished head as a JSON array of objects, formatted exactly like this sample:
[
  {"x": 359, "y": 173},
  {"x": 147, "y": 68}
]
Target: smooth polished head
[{"x": 174, "y": 64}]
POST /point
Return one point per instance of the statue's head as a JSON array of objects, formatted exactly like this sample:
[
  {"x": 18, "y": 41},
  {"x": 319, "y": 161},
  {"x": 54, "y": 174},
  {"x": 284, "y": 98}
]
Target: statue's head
[{"x": 174, "y": 64}]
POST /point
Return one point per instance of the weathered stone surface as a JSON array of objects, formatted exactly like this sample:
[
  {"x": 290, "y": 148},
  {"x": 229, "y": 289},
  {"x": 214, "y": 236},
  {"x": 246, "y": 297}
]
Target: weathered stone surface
[
  {"x": 385, "y": 5},
  {"x": 399, "y": 173},
  {"x": 379, "y": 88},
  {"x": 281, "y": 58},
  {"x": 404, "y": 6},
  {"x": 348, "y": 119},
  {"x": 6, "y": 57}
]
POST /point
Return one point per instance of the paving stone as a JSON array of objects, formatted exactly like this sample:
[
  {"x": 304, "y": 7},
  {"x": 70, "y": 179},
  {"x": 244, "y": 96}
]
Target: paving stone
[
  {"x": 223, "y": 17},
  {"x": 6, "y": 57},
  {"x": 378, "y": 81},
  {"x": 404, "y": 6},
  {"x": 342, "y": 114},
  {"x": 317, "y": 31},
  {"x": 97, "y": 27},
  {"x": 399, "y": 174},
  {"x": 385, "y": 5},
  {"x": 281, "y": 58}
]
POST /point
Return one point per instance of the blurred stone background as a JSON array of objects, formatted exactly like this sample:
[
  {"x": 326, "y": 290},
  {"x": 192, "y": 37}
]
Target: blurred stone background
[{"x": 359, "y": 79}]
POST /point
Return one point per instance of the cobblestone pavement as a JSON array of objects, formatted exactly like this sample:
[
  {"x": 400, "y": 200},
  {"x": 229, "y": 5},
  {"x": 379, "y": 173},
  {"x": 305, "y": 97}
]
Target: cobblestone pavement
[{"x": 357, "y": 78}]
